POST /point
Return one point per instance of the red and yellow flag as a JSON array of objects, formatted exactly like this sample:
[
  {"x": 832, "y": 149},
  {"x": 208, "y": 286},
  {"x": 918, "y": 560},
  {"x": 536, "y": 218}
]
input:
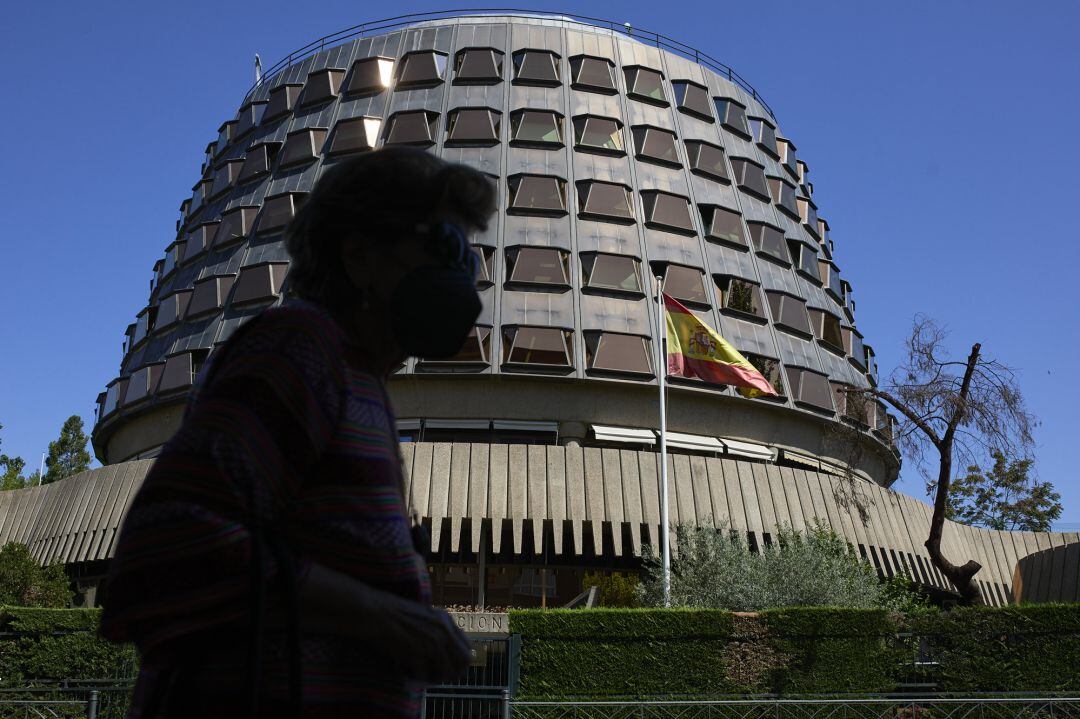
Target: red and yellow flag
[{"x": 696, "y": 350}]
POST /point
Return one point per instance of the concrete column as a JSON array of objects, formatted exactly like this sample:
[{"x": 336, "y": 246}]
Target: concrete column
[{"x": 571, "y": 434}]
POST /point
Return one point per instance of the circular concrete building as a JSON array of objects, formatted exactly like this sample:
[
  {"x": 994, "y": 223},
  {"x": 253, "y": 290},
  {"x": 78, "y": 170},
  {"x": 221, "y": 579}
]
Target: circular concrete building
[{"x": 619, "y": 156}]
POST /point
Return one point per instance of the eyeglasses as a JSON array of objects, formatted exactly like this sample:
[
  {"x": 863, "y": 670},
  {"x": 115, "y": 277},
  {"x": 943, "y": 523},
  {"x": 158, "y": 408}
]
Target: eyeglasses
[{"x": 449, "y": 243}]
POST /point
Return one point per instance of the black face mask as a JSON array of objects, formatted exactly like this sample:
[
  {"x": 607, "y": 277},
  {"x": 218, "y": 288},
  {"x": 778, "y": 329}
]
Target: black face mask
[{"x": 433, "y": 308}]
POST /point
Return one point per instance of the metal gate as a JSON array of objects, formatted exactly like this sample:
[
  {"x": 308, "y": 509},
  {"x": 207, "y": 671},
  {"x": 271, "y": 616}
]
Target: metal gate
[{"x": 485, "y": 690}]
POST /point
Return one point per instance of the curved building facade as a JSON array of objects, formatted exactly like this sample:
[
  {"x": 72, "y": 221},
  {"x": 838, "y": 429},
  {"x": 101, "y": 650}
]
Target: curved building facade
[{"x": 619, "y": 157}]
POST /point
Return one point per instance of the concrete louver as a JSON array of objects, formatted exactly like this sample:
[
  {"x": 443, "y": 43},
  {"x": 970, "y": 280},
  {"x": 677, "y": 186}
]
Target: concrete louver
[{"x": 571, "y": 499}]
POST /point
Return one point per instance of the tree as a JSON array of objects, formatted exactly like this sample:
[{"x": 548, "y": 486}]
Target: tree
[
  {"x": 67, "y": 455},
  {"x": 714, "y": 568},
  {"x": 1004, "y": 497},
  {"x": 25, "y": 583},
  {"x": 956, "y": 412},
  {"x": 11, "y": 468}
]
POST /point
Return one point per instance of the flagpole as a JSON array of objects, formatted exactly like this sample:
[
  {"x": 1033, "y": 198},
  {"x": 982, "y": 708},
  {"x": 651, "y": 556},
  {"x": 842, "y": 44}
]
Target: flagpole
[{"x": 661, "y": 341}]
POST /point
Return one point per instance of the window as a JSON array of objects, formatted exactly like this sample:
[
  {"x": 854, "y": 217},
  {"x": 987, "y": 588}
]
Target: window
[
  {"x": 604, "y": 200},
  {"x": 770, "y": 369},
  {"x": 871, "y": 363},
  {"x": 811, "y": 388},
  {"x": 225, "y": 177},
  {"x": 354, "y": 134},
  {"x": 282, "y": 100},
  {"x": 788, "y": 312},
  {"x": 603, "y": 271},
  {"x": 722, "y": 225},
  {"x": 545, "y": 266},
  {"x": 473, "y": 126},
  {"x": 769, "y": 240},
  {"x": 209, "y": 294},
  {"x": 302, "y": 146},
  {"x": 201, "y": 238},
  {"x": 783, "y": 194},
  {"x": 668, "y": 211},
  {"x": 259, "y": 283},
  {"x": 178, "y": 373},
  {"x": 655, "y": 145},
  {"x": 788, "y": 157},
  {"x": 707, "y": 159},
  {"x": 537, "y": 194},
  {"x": 544, "y": 346},
  {"x": 143, "y": 383},
  {"x": 732, "y": 116},
  {"x": 485, "y": 270},
  {"x": 764, "y": 135},
  {"x": 279, "y": 210},
  {"x": 616, "y": 352},
  {"x": 476, "y": 350},
  {"x": 536, "y": 127},
  {"x": 249, "y": 118},
  {"x": 830, "y": 277},
  {"x": 258, "y": 161},
  {"x": 808, "y": 214},
  {"x": 235, "y": 224},
  {"x": 598, "y": 134},
  {"x": 478, "y": 66},
  {"x": 826, "y": 328},
  {"x": 369, "y": 76},
  {"x": 645, "y": 84},
  {"x": 805, "y": 259},
  {"x": 413, "y": 127},
  {"x": 854, "y": 347},
  {"x": 855, "y": 406},
  {"x": 692, "y": 98},
  {"x": 536, "y": 67},
  {"x": 741, "y": 296},
  {"x": 225, "y": 135},
  {"x": 322, "y": 86},
  {"x": 592, "y": 73},
  {"x": 424, "y": 68},
  {"x": 172, "y": 308},
  {"x": 750, "y": 176},
  {"x": 144, "y": 324},
  {"x": 885, "y": 423},
  {"x": 685, "y": 284}
]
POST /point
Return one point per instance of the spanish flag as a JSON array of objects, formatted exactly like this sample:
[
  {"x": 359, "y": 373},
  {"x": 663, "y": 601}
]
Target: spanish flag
[{"x": 696, "y": 350}]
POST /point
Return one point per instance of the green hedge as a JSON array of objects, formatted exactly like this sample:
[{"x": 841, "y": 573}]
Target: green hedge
[
  {"x": 43, "y": 646},
  {"x": 608, "y": 653}
]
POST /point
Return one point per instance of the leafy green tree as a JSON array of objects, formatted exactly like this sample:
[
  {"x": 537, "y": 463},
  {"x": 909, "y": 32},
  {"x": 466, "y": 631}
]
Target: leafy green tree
[
  {"x": 67, "y": 455},
  {"x": 714, "y": 568},
  {"x": 1004, "y": 497},
  {"x": 11, "y": 468},
  {"x": 25, "y": 583}
]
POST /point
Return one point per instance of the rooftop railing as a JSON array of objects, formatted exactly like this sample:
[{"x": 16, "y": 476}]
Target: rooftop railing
[{"x": 376, "y": 27}]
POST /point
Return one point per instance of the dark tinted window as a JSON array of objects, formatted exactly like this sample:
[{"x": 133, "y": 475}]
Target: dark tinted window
[
  {"x": 478, "y": 65},
  {"x": 655, "y": 145},
  {"x": 827, "y": 329},
  {"x": 610, "y": 272},
  {"x": 235, "y": 224},
  {"x": 302, "y": 146},
  {"x": 536, "y": 127},
  {"x": 593, "y": 73},
  {"x": 732, "y": 115},
  {"x": 723, "y": 225},
  {"x": 830, "y": 277},
  {"x": 536, "y": 67},
  {"x": 322, "y": 86},
  {"x": 282, "y": 100},
  {"x": 692, "y": 98},
  {"x": 765, "y": 135},
  {"x": 769, "y": 368},
  {"x": 854, "y": 347},
  {"x": 804, "y": 258},
  {"x": 225, "y": 177},
  {"x": 666, "y": 210},
  {"x": 788, "y": 157},
  {"x": 473, "y": 126},
  {"x": 706, "y": 159},
  {"x": 605, "y": 200},
  {"x": 485, "y": 272},
  {"x": 769, "y": 240},
  {"x": 421, "y": 69},
  {"x": 543, "y": 194},
  {"x": 645, "y": 84},
  {"x": 538, "y": 266},
  {"x": 741, "y": 295},
  {"x": 788, "y": 312},
  {"x": 278, "y": 211},
  {"x": 598, "y": 133},
  {"x": 616, "y": 352},
  {"x": 548, "y": 346},
  {"x": 808, "y": 214},
  {"x": 415, "y": 127},
  {"x": 249, "y": 117},
  {"x": 356, "y": 134},
  {"x": 783, "y": 194},
  {"x": 685, "y": 284},
  {"x": 259, "y": 283},
  {"x": 750, "y": 176},
  {"x": 810, "y": 388},
  {"x": 258, "y": 161},
  {"x": 369, "y": 76},
  {"x": 476, "y": 350}
]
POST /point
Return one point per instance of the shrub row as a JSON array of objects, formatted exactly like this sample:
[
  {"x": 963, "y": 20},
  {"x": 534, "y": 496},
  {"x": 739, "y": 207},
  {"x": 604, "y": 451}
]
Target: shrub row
[{"x": 44, "y": 646}]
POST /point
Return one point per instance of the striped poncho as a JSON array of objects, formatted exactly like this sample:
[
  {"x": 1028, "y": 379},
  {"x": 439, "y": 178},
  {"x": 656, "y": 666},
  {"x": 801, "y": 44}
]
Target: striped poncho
[{"x": 285, "y": 431}]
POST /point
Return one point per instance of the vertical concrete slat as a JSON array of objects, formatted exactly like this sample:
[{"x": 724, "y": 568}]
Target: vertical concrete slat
[
  {"x": 479, "y": 473},
  {"x": 575, "y": 495},
  {"x": 538, "y": 509},
  {"x": 498, "y": 492},
  {"x": 733, "y": 489},
  {"x": 721, "y": 512},
  {"x": 784, "y": 479},
  {"x": 556, "y": 490},
  {"x": 631, "y": 485},
  {"x": 764, "y": 498},
  {"x": 518, "y": 493},
  {"x": 594, "y": 495},
  {"x": 441, "y": 457},
  {"x": 650, "y": 497},
  {"x": 613, "y": 496}
]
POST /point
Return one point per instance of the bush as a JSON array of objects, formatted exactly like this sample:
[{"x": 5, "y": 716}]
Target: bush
[
  {"x": 613, "y": 590},
  {"x": 25, "y": 583},
  {"x": 45, "y": 646}
]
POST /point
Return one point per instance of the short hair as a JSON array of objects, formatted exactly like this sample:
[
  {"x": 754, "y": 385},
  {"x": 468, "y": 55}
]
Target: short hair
[{"x": 379, "y": 192}]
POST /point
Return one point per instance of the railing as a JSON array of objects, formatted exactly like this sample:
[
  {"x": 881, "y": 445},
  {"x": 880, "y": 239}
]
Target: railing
[
  {"x": 379, "y": 26},
  {"x": 108, "y": 701},
  {"x": 825, "y": 708}
]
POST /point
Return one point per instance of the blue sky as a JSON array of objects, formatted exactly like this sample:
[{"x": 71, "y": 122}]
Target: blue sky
[{"x": 940, "y": 137}]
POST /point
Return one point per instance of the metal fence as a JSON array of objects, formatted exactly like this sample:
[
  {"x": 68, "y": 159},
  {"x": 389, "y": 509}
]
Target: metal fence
[
  {"x": 107, "y": 701},
  {"x": 825, "y": 708}
]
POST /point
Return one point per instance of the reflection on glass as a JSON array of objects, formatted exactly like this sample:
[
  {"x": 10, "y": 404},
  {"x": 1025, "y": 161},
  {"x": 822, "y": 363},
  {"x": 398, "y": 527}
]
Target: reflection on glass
[
  {"x": 598, "y": 132},
  {"x": 537, "y": 345},
  {"x": 536, "y": 126}
]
